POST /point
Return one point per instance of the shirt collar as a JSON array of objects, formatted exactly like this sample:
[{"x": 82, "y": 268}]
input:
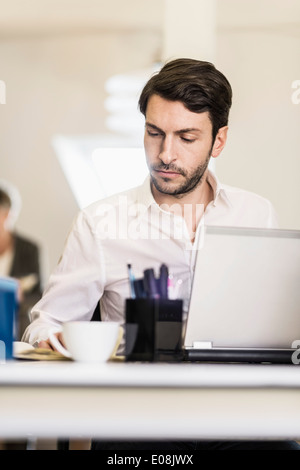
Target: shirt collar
[
  {"x": 144, "y": 193},
  {"x": 145, "y": 197},
  {"x": 218, "y": 188}
]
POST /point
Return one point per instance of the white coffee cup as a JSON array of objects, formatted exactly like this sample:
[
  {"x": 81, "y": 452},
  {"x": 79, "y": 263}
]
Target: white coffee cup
[{"x": 87, "y": 341}]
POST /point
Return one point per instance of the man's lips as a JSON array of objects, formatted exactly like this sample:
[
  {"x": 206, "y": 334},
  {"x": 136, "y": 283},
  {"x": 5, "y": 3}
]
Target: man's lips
[{"x": 167, "y": 173}]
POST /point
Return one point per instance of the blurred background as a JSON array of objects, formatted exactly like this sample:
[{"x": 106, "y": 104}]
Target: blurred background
[{"x": 71, "y": 72}]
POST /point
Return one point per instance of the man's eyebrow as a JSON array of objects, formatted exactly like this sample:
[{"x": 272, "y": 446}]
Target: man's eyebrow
[
  {"x": 148, "y": 124},
  {"x": 180, "y": 131},
  {"x": 188, "y": 129}
]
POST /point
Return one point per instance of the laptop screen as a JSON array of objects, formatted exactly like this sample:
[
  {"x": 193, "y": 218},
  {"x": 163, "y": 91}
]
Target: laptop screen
[{"x": 246, "y": 289}]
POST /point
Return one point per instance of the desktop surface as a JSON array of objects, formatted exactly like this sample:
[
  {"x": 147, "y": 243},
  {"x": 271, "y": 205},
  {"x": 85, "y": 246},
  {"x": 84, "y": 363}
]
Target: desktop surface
[
  {"x": 148, "y": 400},
  {"x": 139, "y": 374}
]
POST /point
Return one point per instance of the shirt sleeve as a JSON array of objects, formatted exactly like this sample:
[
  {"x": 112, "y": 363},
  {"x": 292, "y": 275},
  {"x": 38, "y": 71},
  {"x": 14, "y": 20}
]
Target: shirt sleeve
[{"x": 74, "y": 287}]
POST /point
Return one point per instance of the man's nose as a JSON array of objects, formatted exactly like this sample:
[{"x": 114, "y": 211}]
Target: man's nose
[{"x": 167, "y": 152}]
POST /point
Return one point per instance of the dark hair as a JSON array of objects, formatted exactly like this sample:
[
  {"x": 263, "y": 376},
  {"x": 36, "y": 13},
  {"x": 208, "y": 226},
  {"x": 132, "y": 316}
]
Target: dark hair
[
  {"x": 5, "y": 200},
  {"x": 197, "y": 84}
]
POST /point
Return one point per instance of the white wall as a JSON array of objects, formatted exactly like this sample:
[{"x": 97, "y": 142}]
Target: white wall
[{"x": 261, "y": 57}]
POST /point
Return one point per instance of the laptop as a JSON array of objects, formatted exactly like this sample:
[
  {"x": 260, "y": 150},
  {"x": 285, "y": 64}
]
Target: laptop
[{"x": 245, "y": 299}]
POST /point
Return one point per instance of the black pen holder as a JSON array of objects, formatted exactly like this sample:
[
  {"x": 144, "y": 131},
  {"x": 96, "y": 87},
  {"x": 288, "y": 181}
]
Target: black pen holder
[{"x": 153, "y": 330}]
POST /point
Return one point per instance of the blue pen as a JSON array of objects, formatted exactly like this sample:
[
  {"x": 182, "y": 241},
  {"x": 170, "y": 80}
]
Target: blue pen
[{"x": 131, "y": 281}]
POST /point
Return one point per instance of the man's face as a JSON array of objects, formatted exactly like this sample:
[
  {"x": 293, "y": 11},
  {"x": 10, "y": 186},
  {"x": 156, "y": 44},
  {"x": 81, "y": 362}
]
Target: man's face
[{"x": 178, "y": 145}]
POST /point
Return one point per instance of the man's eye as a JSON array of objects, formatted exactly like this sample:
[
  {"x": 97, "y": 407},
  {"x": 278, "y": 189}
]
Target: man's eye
[
  {"x": 153, "y": 134},
  {"x": 185, "y": 139}
]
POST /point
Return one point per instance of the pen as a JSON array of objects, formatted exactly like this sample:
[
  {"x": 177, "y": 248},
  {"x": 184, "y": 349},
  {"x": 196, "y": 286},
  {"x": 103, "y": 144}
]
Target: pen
[
  {"x": 150, "y": 284},
  {"x": 170, "y": 286},
  {"x": 163, "y": 281},
  {"x": 131, "y": 281},
  {"x": 139, "y": 288}
]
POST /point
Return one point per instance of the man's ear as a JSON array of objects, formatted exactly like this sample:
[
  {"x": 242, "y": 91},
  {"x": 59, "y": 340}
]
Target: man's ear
[{"x": 219, "y": 142}]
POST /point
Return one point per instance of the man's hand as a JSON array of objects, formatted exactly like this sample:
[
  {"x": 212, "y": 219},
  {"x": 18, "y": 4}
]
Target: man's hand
[{"x": 46, "y": 344}]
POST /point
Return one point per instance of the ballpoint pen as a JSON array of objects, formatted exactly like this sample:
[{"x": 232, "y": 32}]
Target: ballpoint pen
[
  {"x": 163, "y": 281},
  {"x": 150, "y": 284},
  {"x": 131, "y": 280}
]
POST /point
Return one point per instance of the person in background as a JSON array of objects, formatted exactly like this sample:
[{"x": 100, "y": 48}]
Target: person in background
[{"x": 19, "y": 256}]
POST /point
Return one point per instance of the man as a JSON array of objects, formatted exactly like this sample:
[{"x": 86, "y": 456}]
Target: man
[{"x": 186, "y": 107}]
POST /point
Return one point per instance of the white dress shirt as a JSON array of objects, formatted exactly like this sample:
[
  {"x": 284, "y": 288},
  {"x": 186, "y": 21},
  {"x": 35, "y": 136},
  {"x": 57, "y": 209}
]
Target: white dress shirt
[{"x": 125, "y": 228}]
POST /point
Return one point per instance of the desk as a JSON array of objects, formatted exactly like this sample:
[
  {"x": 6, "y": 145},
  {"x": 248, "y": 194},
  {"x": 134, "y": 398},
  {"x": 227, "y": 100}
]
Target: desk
[{"x": 132, "y": 400}]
